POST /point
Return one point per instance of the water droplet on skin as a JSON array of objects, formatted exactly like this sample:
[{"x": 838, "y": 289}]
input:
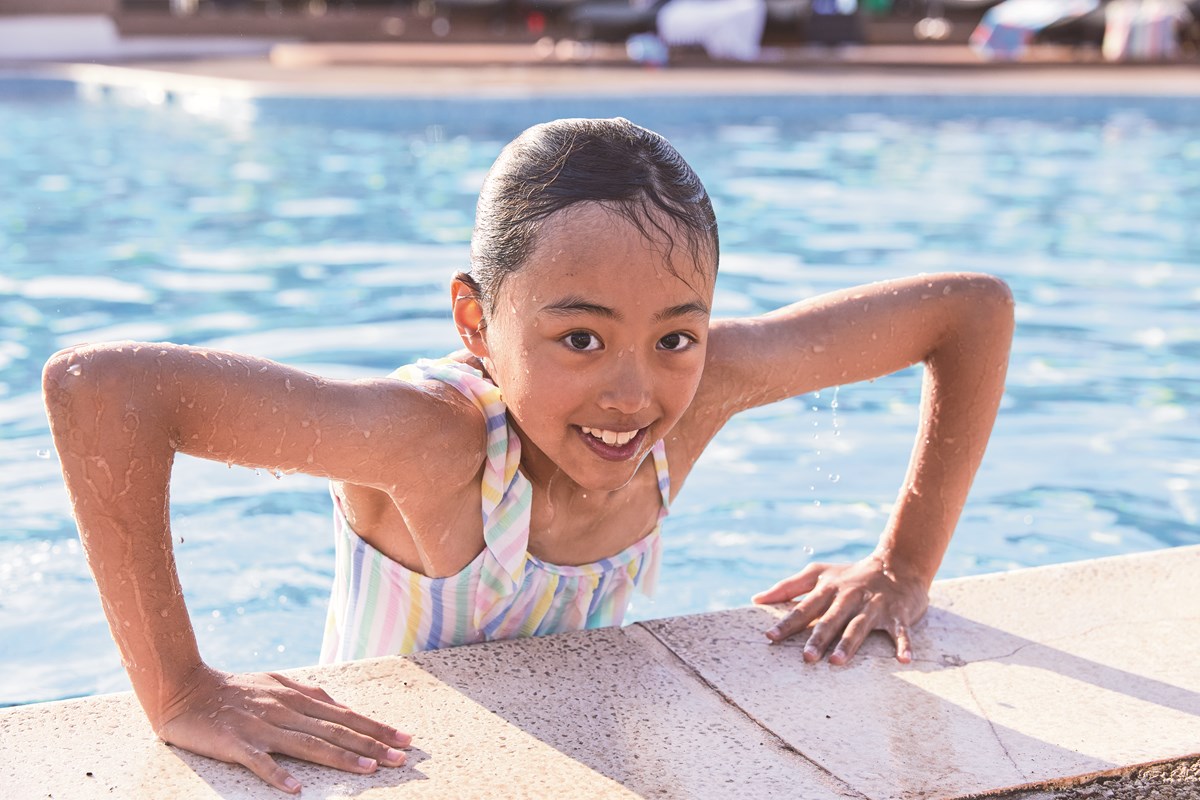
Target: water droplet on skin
[
  {"x": 43, "y": 453},
  {"x": 75, "y": 370}
]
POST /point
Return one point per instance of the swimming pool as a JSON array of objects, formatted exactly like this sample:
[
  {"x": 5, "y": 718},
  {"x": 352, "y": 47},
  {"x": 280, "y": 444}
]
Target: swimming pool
[{"x": 322, "y": 233}]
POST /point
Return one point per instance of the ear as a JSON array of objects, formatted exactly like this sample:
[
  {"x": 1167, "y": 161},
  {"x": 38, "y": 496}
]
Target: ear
[{"x": 468, "y": 315}]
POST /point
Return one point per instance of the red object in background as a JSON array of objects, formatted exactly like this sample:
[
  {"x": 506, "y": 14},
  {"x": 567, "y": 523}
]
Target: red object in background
[{"x": 535, "y": 22}]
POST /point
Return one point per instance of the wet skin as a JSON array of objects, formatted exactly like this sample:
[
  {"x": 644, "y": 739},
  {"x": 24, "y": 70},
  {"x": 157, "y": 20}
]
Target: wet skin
[{"x": 593, "y": 333}]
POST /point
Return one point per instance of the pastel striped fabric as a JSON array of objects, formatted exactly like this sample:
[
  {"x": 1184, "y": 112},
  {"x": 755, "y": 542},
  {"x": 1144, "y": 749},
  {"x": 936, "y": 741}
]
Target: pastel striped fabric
[{"x": 379, "y": 607}]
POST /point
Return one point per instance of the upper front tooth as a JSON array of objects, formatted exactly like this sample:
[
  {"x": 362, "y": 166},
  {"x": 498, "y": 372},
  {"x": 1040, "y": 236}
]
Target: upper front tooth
[{"x": 610, "y": 437}]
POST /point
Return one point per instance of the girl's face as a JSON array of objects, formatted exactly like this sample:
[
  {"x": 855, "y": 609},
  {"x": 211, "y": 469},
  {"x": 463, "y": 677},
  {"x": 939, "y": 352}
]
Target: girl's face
[{"x": 597, "y": 346}]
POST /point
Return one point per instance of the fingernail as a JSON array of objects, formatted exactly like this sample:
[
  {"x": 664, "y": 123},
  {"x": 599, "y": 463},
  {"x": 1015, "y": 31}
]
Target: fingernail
[
  {"x": 403, "y": 739},
  {"x": 774, "y": 633},
  {"x": 291, "y": 784},
  {"x": 395, "y": 756},
  {"x": 366, "y": 763},
  {"x": 811, "y": 654}
]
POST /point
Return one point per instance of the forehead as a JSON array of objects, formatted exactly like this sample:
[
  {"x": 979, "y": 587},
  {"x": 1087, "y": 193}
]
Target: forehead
[{"x": 589, "y": 242}]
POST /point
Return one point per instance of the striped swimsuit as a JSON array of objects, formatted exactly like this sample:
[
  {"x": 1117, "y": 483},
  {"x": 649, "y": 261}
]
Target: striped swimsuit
[{"x": 379, "y": 607}]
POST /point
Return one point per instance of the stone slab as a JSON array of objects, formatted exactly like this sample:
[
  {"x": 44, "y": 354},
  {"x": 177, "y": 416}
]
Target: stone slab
[
  {"x": 1019, "y": 678},
  {"x": 602, "y": 714}
]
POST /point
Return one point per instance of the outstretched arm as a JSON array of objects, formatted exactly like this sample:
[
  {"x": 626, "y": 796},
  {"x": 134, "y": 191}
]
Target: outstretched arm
[
  {"x": 119, "y": 413},
  {"x": 960, "y": 326}
]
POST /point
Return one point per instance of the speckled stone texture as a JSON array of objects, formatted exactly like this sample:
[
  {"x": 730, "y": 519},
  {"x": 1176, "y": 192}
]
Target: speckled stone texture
[
  {"x": 1020, "y": 678},
  {"x": 602, "y": 714},
  {"x": 1040, "y": 684}
]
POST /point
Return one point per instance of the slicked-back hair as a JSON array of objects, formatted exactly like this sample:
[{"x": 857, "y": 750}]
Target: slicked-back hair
[{"x": 627, "y": 169}]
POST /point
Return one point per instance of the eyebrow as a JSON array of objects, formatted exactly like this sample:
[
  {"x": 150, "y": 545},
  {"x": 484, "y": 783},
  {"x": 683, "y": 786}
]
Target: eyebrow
[{"x": 575, "y": 304}]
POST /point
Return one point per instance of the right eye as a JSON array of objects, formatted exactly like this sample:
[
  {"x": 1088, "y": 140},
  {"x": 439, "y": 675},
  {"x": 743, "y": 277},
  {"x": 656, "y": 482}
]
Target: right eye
[{"x": 582, "y": 341}]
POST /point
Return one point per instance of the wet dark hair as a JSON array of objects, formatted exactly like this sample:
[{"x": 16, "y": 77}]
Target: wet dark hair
[{"x": 628, "y": 169}]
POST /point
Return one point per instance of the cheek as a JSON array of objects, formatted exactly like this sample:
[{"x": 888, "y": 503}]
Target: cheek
[{"x": 537, "y": 391}]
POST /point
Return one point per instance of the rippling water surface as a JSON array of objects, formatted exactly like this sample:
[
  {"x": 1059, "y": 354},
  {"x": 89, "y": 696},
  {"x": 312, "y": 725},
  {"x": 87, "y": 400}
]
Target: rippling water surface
[{"x": 322, "y": 233}]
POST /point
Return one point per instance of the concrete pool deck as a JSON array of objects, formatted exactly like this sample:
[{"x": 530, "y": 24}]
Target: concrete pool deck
[
  {"x": 1024, "y": 683},
  {"x": 517, "y": 71}
]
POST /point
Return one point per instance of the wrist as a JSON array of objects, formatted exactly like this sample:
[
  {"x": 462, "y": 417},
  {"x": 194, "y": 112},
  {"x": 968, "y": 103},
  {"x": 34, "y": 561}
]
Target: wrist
[
  {"x": 903, "y": 568},
  {"x": 172, "y": 693}
]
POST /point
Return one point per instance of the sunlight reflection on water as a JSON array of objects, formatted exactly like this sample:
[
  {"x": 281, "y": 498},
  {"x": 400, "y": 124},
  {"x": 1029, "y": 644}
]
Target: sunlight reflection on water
[{"x": 324, "y": 235}]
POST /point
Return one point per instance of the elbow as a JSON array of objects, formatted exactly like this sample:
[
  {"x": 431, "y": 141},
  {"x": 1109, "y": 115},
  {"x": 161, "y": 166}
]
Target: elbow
[
  {"x": 76, "y": 380},
  {"x": 57, "y": 377},
  {"x": 989, "y": 304}
]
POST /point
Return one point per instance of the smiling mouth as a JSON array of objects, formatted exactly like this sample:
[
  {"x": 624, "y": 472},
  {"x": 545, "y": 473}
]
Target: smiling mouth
[
  {"x": 612, "y": 445},
  {"x": 618, "y": 438}
]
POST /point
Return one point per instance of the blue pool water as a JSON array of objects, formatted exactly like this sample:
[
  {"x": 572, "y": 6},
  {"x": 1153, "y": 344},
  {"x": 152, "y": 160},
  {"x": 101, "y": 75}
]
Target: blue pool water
[{"x": 322, "y": 233}]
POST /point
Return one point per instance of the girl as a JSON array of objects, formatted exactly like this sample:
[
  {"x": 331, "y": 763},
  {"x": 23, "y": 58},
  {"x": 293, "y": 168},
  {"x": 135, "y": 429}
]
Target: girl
[{"x": 516, "y": 487}]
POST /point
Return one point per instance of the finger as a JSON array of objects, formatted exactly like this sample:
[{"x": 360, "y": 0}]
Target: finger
[
  {"x": 854, "y": 635},
  {"x": 802, "y": 582},
  {"x": 799, "y": 618},
  {"x": 343, "y": 715},
  {"x": 349, "y": 740},
  {"x": 265, "y": 767},
  {"x": 315, "y": 692},
  {"x": 307, "y": 747},
  {"x": 831, "y": 625},
  {"x": 899, "y": 633}
]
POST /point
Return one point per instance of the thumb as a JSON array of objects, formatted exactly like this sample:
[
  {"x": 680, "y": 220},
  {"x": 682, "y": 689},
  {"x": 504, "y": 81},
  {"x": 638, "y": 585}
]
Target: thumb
[{"x": 790, "y": 588}]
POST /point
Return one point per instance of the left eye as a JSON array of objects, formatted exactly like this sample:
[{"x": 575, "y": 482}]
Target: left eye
[
  {"x": 674, "y": 341},
  {"x": 582, "y": 341}
]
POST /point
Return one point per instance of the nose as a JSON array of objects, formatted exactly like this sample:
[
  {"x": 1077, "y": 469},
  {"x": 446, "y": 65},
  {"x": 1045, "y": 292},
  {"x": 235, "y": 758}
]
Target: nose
[{"x": 628, "y": 389}]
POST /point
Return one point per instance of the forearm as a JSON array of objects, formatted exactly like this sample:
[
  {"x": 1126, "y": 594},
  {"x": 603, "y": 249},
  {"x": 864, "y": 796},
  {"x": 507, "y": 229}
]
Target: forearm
[
  {"x": 116, "y": 458},
  {"x": 963, "y": 385}
]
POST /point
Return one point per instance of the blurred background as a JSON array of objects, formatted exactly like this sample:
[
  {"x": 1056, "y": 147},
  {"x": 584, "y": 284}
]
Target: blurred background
[{"x": 654, "y": 31}]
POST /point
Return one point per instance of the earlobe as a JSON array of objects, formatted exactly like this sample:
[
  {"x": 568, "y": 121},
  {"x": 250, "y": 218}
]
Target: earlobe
[{"x": 468, "y": 317}]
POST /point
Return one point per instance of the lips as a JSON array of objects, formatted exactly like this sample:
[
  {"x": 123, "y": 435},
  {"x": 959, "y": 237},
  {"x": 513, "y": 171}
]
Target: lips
[
  {"x": 612, "y": 445},
  {"x": 618, "y": 438}
]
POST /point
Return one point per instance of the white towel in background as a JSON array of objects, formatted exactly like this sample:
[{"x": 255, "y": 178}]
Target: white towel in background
[{"x": 725, "y": 28}]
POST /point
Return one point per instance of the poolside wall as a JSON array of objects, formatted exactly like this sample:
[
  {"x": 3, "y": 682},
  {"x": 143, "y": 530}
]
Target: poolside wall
[{"x": 1038, "y": 677}]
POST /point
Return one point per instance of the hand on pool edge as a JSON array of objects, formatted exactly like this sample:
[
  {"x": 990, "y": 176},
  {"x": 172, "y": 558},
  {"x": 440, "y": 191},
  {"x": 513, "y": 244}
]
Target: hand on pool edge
[
  {"x": 245, "y": 718},
  {"x": 847, "y": 602}
]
